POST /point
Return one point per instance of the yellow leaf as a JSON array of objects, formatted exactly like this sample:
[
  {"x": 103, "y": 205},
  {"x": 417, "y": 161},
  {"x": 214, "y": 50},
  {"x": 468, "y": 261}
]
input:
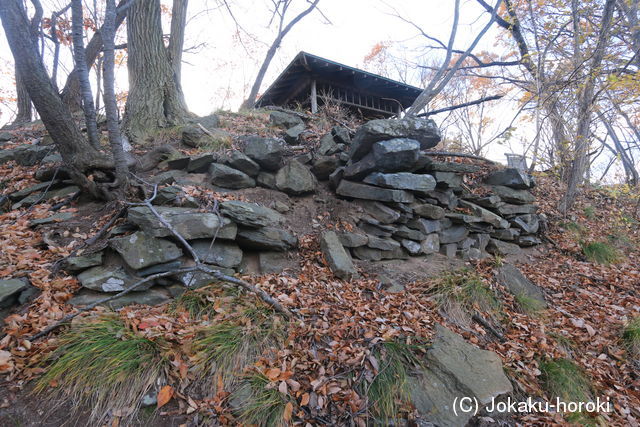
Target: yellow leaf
[
  {"x": 165, "y": 395},
  {"x": 288, "y": 411}
]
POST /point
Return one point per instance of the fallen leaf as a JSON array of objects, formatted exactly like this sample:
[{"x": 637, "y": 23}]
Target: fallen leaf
[{"x": 164, "y": 395}]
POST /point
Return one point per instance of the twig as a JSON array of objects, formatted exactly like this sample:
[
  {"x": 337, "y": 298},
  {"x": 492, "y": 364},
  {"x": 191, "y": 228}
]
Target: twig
[
  {"x": 205, "y": 130},
  {"x": 488, "y": 327},
  {"x": 466, "y": 104}
]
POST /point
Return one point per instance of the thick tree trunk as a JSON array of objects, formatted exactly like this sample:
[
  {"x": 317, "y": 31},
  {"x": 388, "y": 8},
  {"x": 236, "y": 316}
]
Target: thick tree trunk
[
  {"x": 77, "y": 154},
  {"x": 24, "y": 102},
  {"x": 71, "y": 93},
  {"x": 83, "y": 73},
  {"x": 176, "y": 37},
  {"x": 155, "y": 100},
  {"x": 110, "y": 104}
]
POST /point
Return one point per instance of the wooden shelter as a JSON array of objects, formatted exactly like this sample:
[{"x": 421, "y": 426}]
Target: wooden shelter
[{"x": 311, "y": 81}]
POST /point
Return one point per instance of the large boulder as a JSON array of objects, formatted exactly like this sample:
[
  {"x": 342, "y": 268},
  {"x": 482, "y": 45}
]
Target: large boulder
[
  {"x": 250, "y": 214},
  {"x": 266, "y": 239},
  {"x": 10, "y": 290},
  {"x": 194, "y": 136},
  {"x": 511, "y": 195},
  {"x": 200, "y": 164},
  {"x": 498, "y": 247},
  {"x": 336, "y": 256},
  {"x": 324, "y": 166},
  {"x": 284, "y": 120},
  {"x": 292, "y": 135},
  {"x": 139, "y": 250},
  {"x": 402, "y": 181},
  {"x": 453, "y": 234},
  {"x": 189, "y": 223},
  {"x": 238, "y": 160},
  {"x": 223, "y": 254},
  {"x": 395, "y": 155},
  {"x": 30, "y": 155},
  {"x": 368, "y": 192},
  {"x": 360, "y": 169},
  {"x": 327, "y": 145},
  {"x": 511, "y": 278},
  {"x": 424, "y": 131},
  {"x": 454, "y": 369},
  {"x": 82, "y": 262},
  {"x": 228, "y": 177},
  {"x": 267, "y": 152},
  {"x": 295, "y": 179},
  {"x": 511, "y": 177}
]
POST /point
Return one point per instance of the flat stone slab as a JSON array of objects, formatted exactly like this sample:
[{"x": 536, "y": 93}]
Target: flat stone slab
[
  {"x": 402, "y": 181},
  {"x": 82, "y": 262},
  {"x": 140, "y": 250},
  {"x": 512, "y": 278},
  {"x": 486, "y": 215},
  {"x": 498, "y": 247},
  {"x": 266, "y": 239},
  {"x": 295, "y": 179},
  {"x": 10, "y": 289},
  {"x": 336, "y": 256},
  {"x": 511, "y": 195},
  {"x": 190, "y": 223},
  {"x": 152, "y": 296},
  {"x": 57, "y": 217},
  {"x": 452, "y": 167},
  {"x": 251, "y": 214},
  {"x": 107, "y": 279},
  {"x": 369, "y": 192}
]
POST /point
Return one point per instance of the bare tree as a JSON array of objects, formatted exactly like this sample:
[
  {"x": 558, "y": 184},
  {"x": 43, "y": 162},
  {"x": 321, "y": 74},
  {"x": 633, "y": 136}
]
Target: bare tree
[
  {"x": 78, "y": 155},
  {"x": 83, "y": 73},
  {"x": 155, "y": 98},
  {"x": 281, "y": 7}
]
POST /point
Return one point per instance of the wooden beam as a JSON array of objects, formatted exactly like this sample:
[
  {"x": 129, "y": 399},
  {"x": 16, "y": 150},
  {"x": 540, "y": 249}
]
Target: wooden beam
[{"x": 314, "y": 97}]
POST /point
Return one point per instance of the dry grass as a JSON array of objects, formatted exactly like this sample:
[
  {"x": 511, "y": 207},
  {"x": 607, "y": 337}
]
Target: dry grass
[{"x": 104, "y": 365}]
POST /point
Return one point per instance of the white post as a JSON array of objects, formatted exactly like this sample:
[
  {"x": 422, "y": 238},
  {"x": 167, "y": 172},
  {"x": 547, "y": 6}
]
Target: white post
[{"x": 314, "y": 97}]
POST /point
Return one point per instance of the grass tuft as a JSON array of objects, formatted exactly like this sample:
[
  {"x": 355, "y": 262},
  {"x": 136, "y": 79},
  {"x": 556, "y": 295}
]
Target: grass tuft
[
  {"x": 631, "y": 337},
  {"x": 529, "y": 305},
  {"x": 263, "y": 404},
  {"x": 564, "y": 379},
  {"x": 590, "y": 212},
  {"x": 389, "y": 388},
  {"x": 465, "y": 288},
  {"x": 226, "y": 348},
  {"x": 105, "y": 365},
  {"x": 600, "y": 252},
  {"x": 196, "y": 303}
]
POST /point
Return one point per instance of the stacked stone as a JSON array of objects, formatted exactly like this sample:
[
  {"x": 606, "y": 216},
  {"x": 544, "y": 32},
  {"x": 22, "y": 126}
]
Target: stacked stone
[
  {"x": 410, "y": 201},
  {"x": 152, "y": 248}
]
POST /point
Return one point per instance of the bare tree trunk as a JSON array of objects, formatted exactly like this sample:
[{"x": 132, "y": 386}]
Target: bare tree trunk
[
  {"x": 176, "y": 37},
  {"x": 627, "y": 163},
  {"x": 154, "y": 100},
  {"x": 71, "y": 93},
  {"x": 282, "y": 32},
  {"x": 110, "y": 104},
  {"x": 83, "y": 74},
  {"x": 24, "y": 102},
  {"x": 585, "y": 109},
  {"x": 77, "y": 154}
]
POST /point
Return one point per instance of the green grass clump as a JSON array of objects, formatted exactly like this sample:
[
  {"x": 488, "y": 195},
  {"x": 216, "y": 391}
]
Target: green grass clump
[
  {"x": 631, "y": 337},
  {"x": 600, "y": 252},
  {"x": 466, "y": 288},
  {"x": 226, "y": 348},
  {"x": 590, "y": 212},
  {"x": 263, "y": 404},
  {"x": 390, "y": 388},
  {"x": 529, "y": 305},
  {"x": 564, "y": 379},
  {"x": 104, "y": 365},
  {"x": 196, "y": 303}
]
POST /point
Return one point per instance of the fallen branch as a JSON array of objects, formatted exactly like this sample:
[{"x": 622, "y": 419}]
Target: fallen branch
[
  {"x": 488, "y": 327},
  {"x": 453, "y": 154},
  {"x": 466, "y": 104}
]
